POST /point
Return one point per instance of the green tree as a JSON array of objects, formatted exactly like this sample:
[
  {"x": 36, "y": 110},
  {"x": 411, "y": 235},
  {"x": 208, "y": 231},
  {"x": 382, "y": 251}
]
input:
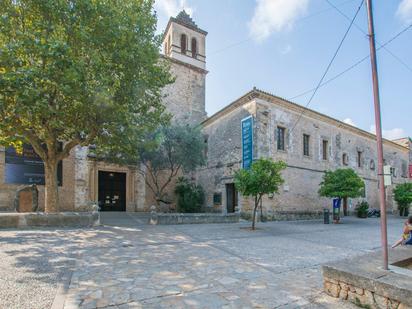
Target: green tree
[
  {"x": 171, "y": 150},
  {"x": 263, "y": 177},
  {"x": 342, "y": 183},
  {"x": 78, "y": 72},
  {"x": 403, "y": 196},
  {"x": 190, "y": 197}
]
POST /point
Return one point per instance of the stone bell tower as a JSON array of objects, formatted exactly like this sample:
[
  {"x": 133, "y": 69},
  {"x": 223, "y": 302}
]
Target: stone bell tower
[{"x": 184, "y": 47}]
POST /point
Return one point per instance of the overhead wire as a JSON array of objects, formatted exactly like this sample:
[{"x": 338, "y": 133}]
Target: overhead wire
[
  {"x": 365, "y": 33},
  {"x": 329, "y": 65},
  {"x": 353, "y": 65}
]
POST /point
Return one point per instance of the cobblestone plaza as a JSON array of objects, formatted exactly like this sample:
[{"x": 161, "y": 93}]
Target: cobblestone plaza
[{"x": 128, "y": 264}]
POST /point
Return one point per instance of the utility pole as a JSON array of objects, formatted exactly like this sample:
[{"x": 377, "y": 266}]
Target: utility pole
[{"x": 384, "y": 234}]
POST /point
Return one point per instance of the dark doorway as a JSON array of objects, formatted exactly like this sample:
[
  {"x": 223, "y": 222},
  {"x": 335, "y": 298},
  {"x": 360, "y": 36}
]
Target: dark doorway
[
  {"x": 112, "y": 191},
  {"x": 231, "y": 197}
]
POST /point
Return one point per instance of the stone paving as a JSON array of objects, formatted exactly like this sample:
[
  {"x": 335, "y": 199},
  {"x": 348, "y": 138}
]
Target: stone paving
[{"x": 127, "y": 264}]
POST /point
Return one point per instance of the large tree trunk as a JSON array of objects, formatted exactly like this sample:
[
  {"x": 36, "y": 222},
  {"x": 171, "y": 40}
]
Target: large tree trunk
[
  {"x": 345, "y": 206},
  {"x": 51, "y": 192}
]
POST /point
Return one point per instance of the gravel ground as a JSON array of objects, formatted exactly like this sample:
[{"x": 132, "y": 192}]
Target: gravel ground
[{"x": 32, "y": 265}]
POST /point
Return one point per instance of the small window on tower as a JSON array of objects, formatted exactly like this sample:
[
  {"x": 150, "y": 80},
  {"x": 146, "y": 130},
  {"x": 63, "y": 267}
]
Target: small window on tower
[
  {"x": 194, "y": 48},
  {"x": 183, "y": 46}
]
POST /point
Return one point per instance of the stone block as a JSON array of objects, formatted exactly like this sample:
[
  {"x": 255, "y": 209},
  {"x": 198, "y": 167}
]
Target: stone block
[
  {"x": 332, "y": 289},
  {"x": 359, "y": 291},
  {"x": 343, "y": 294},
  {"x": 344, "y": 286},
  {"x": 381, "y": 301},
  {"x": 393, "y": 304},
  {"x": 364, "y": 300}
]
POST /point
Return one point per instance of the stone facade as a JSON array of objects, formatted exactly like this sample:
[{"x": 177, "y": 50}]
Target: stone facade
[
  {"x": 185, "y": 53},
  {"x": 185, "y": 98},
  {"x": 184, "y": 45},
  {"x": 304, "y": 172}
]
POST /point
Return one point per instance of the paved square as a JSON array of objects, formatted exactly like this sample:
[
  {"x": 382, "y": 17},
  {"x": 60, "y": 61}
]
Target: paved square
[{"x": 133, "y": 265}]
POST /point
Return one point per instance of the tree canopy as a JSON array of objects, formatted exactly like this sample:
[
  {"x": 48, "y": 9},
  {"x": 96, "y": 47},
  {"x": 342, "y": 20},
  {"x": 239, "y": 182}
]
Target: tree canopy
[
  {"x": 341, "y": 183},
  {"x": 78, "y": 72},
  {"x": 170, "y": 150},
  {"x": 263, "y": 177}
]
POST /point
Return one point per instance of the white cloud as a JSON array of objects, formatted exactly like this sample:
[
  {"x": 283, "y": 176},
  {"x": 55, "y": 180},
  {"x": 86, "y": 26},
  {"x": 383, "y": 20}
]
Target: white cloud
[
  {"x": 392, "y": 134},
  {"x": 172, "y": 7},
  {"x": 275, "y": 15},
  {"x": 349, "y": 121},
  {"x": 404, "y": 11}
]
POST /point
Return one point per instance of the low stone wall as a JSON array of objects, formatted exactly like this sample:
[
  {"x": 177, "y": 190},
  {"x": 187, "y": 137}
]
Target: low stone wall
[
  {"x": 285, "y": 215},
  {"x": 196, "y": 218},
  {"x": 360, "y": 296},
  {"x": 362, "y": 281},
  {"x": 39, "y": 219}
]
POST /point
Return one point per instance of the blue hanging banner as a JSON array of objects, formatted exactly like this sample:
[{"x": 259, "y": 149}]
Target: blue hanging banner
[{"x": 247, "y": 142}]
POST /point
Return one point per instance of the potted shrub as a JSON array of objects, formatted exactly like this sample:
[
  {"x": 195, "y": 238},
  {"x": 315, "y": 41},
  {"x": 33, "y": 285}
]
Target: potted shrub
[
  {"x": 362, "y": 209},
  {"x": 403, "y": 197}
]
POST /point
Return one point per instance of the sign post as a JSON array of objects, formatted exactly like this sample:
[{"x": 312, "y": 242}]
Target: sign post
[
  {"x": 336, "y": 210},
  {"x": 247, "y": 142}
]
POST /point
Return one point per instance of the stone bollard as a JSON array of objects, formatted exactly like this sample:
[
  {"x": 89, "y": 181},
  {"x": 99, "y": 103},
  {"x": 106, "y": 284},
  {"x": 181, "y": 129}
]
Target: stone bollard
[{"x": 153, "y": 215}]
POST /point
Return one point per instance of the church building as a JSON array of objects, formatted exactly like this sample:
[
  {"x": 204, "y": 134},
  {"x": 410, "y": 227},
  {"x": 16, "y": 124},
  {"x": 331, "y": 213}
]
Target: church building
[{"x": 257, "y": 125}]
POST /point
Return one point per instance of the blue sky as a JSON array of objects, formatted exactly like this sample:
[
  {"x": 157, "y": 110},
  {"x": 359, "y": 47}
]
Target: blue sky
[{"x": 284, "y": 46}]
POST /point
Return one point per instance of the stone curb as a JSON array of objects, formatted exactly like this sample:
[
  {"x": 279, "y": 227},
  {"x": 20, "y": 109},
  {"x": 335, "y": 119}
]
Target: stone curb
[
  {"x": 39, "y": 219},
  {"x": 63, "y": 287}
]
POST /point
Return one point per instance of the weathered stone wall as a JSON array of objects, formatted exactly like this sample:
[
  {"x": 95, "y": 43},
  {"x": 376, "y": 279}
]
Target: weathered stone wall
[
  {"x": 223, "y": 154},
  {"x": 80, "y": 184},
  {"x": 185, "y": 98},
  {"x": 360, "y": 296},
  {"x": 66, "y": 192},
  {"x": 303, "y": 175},
  {"x": 170, "y": 196}
]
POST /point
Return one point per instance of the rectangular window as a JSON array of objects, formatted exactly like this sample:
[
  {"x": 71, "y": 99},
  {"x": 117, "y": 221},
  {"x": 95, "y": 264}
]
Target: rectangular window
[
  {"x": 393, "y": 171},
  {"x": 345, "y": 159},
  {"x": 306, "y": 144},
  {"x": 359, "y": 158},
  {"x": 217, "y": 198},
  {"x": 325, "y": 149},
  {"x": 281, "y": 138}
]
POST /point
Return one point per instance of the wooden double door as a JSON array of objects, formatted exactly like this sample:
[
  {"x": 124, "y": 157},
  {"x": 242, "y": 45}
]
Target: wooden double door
[{"x": 112, "y": 191}]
